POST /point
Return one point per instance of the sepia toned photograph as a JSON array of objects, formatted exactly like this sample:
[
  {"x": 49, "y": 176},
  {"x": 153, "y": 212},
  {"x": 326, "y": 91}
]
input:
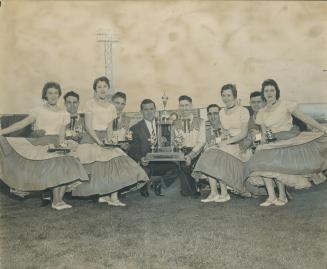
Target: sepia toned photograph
[{"x": 163, "y": 134}]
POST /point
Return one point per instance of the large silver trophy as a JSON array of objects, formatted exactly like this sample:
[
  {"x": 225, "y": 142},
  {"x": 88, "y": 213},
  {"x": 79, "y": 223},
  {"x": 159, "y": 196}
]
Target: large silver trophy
[{"x": 163, "y": 145}]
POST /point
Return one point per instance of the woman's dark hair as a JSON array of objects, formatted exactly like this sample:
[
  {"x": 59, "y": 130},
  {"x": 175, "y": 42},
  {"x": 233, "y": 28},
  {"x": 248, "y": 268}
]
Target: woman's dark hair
[
  {"x": 119, "y": 95},
  {"x": 270, "y": 82},
  {"x": 104, "y": 79},
  {"x": 147, "y": 101},
  {"x": 48, "y": 86},
  {"x": 71, "y": 93},
  {"x": 231, "y": 87}
]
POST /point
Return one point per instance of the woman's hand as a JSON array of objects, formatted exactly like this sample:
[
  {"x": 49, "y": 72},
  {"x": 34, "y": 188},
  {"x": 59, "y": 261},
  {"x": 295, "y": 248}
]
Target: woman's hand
[
  {"x": 101, "y": 144},
  {"x": 38, "y": 133},
  {"x": 224, "y": 134},
  {"x": 124, "y": 146},
  {"x": 223, "y": 143},
  {"x": 144, "y": 162},
  {"x": 188, "y": 160},
  {"x": 72, "y": 145}
]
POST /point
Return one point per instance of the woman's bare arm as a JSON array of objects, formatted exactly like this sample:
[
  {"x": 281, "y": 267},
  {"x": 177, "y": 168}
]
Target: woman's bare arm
[{"x": 18, "y": 125}]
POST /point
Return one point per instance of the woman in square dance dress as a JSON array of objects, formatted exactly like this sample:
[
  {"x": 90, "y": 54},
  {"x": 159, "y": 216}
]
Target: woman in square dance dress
[
  {"x": 26, "y": 164},
  {"x": 225, "y": 163},
  {"x": 110, "y": 168},
  {"x": 294, "y": 158}
]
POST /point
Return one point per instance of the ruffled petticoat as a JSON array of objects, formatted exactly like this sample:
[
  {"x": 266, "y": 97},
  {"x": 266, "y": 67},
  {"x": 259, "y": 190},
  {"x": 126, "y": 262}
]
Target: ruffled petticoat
[
  {"x": 27, "y": 166},
  {"x": 109, "y": 169},
  {"x": 226, "y": 163},
  {"x": 297, "y": 162}
]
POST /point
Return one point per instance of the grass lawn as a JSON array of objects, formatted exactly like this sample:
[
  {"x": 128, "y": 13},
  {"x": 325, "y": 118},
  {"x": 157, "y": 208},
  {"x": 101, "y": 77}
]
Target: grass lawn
[{"x": 165, "y": 233}]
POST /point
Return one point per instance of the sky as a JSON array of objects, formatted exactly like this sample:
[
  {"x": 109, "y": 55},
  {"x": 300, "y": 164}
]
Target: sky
[{"x": 183, "y": 47}]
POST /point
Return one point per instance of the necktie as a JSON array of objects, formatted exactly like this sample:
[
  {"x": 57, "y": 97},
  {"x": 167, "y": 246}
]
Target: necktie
[
  {"x": 115, "y": 124},
  {"x": 72, "y": 122},
  {"x": 186, "y": 124}
]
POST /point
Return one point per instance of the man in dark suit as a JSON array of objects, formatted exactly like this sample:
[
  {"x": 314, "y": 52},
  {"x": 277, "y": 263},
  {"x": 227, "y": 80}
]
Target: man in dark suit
[{"x": 141, "y": 145}]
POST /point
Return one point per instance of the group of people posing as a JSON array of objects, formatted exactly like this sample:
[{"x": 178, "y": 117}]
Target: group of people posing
[{"x": 247, "y": 152}]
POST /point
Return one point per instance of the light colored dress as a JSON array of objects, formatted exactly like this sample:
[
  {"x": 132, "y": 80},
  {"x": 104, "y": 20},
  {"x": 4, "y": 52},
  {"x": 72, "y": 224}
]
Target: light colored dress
[
  {"x": 297, "y": 161},
  {"x": 49, "y": 121},
  {"x": 109, "y": 169},
  {"x": 228, "y": 162},
  {"x": 39, "y": 169}
]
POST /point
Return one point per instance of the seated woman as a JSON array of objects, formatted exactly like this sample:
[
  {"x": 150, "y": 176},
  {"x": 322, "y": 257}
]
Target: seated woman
[
  {"x": 26, "y": 163},
  {"x": 294, "y": 159},
  {"x": 110, "y": 168},
  {"x": 225, "y": 162}
]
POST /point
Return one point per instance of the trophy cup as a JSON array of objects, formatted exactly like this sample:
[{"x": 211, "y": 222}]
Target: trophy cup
[
  {"x": 270, "y": 135},
  {"x": 162, "y": 145}
]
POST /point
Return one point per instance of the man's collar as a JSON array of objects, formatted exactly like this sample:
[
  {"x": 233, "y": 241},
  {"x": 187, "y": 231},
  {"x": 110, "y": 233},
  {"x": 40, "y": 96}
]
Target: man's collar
[
  {"x": 190, "y": 117},
  {"x": 74, "y": 115},
  {"x": 214, "y": 127},
  {"x": 149, "y": 121}
]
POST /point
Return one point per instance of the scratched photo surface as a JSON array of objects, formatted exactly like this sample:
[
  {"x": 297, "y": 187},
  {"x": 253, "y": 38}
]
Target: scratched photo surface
[
  {"x": 188, "y": 47},
  {"x": 176, "y": 48}
]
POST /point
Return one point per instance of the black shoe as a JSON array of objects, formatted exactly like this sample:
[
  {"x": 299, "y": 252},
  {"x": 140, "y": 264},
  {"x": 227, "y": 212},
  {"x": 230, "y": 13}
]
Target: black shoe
[
  {"x": 184, "y": 193},
  {"x": 157, "y": 190},
  {"x": 196, "y": 195},
  {"x": 144, "y": 191}
]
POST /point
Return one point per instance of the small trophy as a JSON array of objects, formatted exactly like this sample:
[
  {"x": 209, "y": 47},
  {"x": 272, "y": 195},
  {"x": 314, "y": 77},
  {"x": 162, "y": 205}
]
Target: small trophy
[
  {"x": 270, "y": 135},
  {"x": 129, "y": 135},
  {"x": 115, "y": 137},
  {"x": 257, "y": 139}
]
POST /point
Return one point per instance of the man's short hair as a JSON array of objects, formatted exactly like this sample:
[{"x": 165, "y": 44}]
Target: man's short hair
[
  {"x": 185, "y": 97},
  {"x": 255, "y": 94},
  {"x": 147, "y": 101},
  {"x": 119, "y": 95},
  {"x": 71, "y": 93},
  {"x": 212, "y": 105}
]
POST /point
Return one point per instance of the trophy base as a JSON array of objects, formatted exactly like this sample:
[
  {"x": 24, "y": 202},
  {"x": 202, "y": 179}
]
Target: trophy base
[{"x": 165, "y": 157}]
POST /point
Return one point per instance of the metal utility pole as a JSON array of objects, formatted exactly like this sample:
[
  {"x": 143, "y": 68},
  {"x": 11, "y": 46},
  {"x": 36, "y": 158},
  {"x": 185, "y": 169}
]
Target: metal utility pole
[{"x": 105, "y": 37}]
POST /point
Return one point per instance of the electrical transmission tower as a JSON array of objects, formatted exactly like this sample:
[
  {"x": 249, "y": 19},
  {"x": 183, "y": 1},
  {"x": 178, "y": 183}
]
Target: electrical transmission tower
[{"x": 104, "y": 36}]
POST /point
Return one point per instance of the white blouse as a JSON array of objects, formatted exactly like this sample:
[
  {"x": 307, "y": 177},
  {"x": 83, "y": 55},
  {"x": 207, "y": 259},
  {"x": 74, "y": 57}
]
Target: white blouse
[
  {"x": 49, "y": 121},
  {"x": 233, "y": 122},
  {"x": 101, "y": 115},
  {"x": 278, "y": 118}
]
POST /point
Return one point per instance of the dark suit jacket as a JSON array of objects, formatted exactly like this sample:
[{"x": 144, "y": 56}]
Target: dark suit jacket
[{"x": 140, "y": 145}]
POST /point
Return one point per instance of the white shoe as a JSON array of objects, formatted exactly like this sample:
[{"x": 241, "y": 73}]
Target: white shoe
[
  {"x": 115, "y": 203},
  {"x": 279, "y": 202},
  {"x": 210, "y": 198},
  {"x": 104, "y": 199},
  {"x": 61, "y": 206},
  {"x": 268, "y": 202},
  {"x": 222, "y": 199}
]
